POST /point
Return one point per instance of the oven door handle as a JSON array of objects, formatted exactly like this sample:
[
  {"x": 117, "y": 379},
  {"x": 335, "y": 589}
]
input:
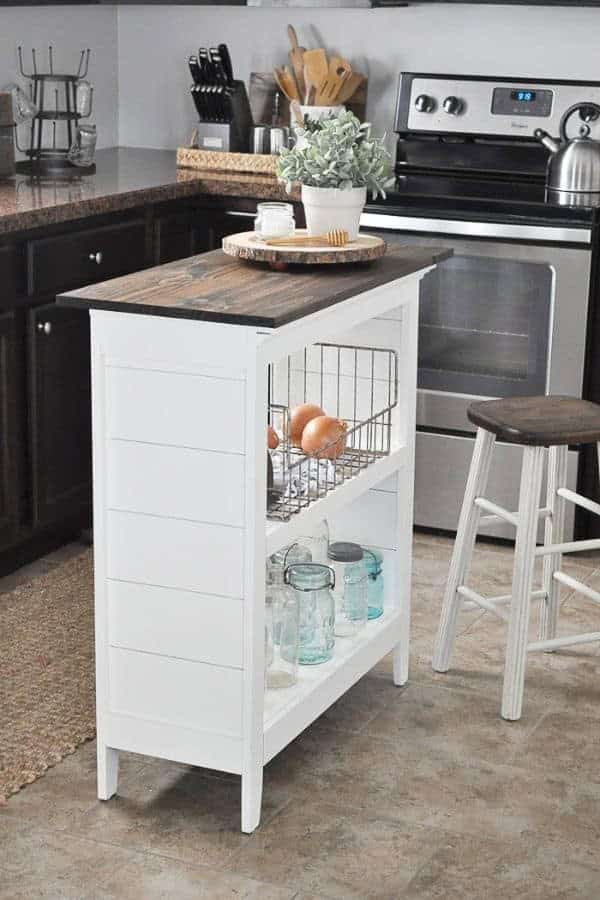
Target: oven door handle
[{"x": 474, "y": 230}]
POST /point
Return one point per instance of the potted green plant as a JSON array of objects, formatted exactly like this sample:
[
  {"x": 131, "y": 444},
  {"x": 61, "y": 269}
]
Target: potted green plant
[{"x": 337, "y": 162}]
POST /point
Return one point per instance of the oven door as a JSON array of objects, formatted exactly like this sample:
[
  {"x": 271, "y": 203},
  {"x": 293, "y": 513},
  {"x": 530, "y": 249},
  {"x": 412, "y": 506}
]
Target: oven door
[{"x": 504, "y": 317}]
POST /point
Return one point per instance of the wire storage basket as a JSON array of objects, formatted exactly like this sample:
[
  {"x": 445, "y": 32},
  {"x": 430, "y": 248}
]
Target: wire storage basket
[{"x": 357, "y": 385}]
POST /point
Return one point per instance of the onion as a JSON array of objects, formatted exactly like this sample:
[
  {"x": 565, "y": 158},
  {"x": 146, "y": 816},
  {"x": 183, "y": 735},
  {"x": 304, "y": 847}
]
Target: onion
[
  {"x": 299, "y": 418},
  {"x": 324, "y": 437},
  {"x": 272, "y": 438}
]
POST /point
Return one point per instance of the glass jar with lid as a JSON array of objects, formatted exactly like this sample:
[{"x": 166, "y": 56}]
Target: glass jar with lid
[
  {"x": 282, "y": 620},
  {"x": 351, "y": 597},
  {"x": 374, "y": 565},
  {"x": 312, "y": 583},
  {"x": 274, "y": 220}
]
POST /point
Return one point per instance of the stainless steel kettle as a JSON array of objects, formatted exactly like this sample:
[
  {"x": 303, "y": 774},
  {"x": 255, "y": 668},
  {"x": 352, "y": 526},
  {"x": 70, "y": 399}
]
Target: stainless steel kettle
[{"x": 574, "y": 164}]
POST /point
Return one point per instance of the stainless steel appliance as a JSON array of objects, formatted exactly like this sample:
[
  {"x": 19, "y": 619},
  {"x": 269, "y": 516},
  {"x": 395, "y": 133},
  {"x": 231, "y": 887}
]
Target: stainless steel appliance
[
  {"x": 574, "y": 165},
  {"x": 507, "y": 315}
]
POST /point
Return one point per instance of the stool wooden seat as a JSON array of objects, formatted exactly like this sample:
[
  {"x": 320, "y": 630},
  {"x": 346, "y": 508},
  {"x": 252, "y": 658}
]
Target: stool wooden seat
[
  {"x": 539, "y": 421},
  {"x": 536, "y": 423}
]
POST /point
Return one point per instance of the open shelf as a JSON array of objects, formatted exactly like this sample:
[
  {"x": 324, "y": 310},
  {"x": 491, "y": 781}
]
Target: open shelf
[
  {"x": 290, "y": 710},
  {"x": 280, "y": 534}
]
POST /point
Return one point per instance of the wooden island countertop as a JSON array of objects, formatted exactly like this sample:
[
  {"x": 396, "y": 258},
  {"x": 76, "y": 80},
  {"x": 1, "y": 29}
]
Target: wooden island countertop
[{"x": 215, "y": 287}]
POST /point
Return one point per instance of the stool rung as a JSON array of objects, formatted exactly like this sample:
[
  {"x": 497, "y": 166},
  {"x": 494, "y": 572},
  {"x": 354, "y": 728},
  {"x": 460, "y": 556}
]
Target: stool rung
[
  {"x": 483, "y": 602},
  {"x": 503, "y": 515},
  {"x": 555, "y": 643},
  {"x": 568, "y": 547},
  {"x": 576, "y": 585},
  {"x": 573, "y": 497}
]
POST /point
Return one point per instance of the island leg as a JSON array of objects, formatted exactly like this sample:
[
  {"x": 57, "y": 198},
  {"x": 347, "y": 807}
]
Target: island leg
[
  {"x": 108, "y": 771},
  {"x": 252, "y": 786},
  {"x": 406, "y": 426}
]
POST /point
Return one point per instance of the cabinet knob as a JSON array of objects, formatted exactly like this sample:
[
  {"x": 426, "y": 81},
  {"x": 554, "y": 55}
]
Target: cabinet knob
[
  {"x": 45, "y": 327},
  {"x": 96, "y": 257}
]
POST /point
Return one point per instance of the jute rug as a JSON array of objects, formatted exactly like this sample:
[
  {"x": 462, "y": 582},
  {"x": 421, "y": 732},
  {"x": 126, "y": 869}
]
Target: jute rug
[{"x": 46, "y": 671}]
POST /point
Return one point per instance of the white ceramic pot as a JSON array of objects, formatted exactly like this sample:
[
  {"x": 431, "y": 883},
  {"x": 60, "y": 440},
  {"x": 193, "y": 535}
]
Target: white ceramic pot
[{"x": 327, "y": 208}]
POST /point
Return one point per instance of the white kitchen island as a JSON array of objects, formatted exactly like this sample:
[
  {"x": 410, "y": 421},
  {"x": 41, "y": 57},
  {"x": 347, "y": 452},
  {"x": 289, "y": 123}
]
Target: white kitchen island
[{"x": 189, "y": 362}]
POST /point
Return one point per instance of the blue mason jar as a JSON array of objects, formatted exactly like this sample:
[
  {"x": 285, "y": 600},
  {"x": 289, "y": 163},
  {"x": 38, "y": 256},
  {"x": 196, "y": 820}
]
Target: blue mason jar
[
  {"x": 312, "y": 584},
  {"x": 374, "y": 564}
]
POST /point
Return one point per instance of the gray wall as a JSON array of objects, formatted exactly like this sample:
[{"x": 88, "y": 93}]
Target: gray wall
[
  {"x": 154, "y": 42},
  {"x": 69, "y": 29}
]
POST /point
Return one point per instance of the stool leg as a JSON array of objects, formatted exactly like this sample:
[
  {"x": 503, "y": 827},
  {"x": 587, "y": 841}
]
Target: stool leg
[
  {"x": 518, "y": 623},
  {"x": 553, "y": 534},
  {"x": 463, "y": 548}
]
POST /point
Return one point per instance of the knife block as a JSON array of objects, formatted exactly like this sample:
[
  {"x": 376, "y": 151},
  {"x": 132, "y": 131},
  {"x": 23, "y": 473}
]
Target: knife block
[{"x": 232, "y": 136}]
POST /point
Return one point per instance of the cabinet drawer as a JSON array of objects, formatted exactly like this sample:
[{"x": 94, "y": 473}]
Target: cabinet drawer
[
  {"x": 95, "y": 254},
  {"x": 12, "y": 273}
]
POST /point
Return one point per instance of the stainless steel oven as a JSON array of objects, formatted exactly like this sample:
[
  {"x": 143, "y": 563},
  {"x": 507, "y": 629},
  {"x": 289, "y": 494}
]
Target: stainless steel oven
[{"x": 505, "y": 316}]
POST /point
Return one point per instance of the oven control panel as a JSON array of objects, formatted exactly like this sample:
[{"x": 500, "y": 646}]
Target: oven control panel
[{"x": 441, "y": 104}]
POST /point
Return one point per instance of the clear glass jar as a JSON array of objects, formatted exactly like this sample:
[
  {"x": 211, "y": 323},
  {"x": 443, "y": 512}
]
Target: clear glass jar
[
  {"x": 281, "y": 634},
  {"x": 282, "y": 619},
  {"x": 312, "y": 585},
  {"x": 351, "y": 596},
  {"x": 83, "y": 98},
  {"x": 374, "y": 565},
  {"x": 274, "y": 220},
  {"x": 317, "y": 542},
  {"x": 82, "y": 150}
]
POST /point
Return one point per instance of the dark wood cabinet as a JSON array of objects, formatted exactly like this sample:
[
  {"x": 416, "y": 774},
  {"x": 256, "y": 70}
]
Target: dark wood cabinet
[
  {"x": 45, "y": 395},
  {"x": 72, "y": 260},
  {"x": 9, "y": 431},
  {"x": 59, "y": 413}
]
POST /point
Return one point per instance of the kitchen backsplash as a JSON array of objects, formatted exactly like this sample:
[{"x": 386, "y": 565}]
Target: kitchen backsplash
[
  {"x": 69, "y": 30},
  {"x": 154, "y": 42},
  {"x": 139, "y": 52}
]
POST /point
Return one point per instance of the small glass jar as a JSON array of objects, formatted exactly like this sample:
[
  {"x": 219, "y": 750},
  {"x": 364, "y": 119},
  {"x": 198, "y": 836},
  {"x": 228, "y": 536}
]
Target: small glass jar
[
  {"x": 312, "y": 585},
  {"x": 374, "y": 565},
  {"x": 81, "y": 153},
  {"x": 281, "y": 637},
  {"x": 274, "y": 220},
  {"x": 83, "y": 98},
  {"x": 317, "y": 542},
  {"x": 351, "y": 597}
]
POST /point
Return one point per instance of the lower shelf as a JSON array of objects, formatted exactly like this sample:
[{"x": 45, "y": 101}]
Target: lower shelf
[{"x": 291, "y": 710}]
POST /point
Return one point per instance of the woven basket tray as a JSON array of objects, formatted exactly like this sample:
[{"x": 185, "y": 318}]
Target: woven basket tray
[{"x": 257, "y": 163}]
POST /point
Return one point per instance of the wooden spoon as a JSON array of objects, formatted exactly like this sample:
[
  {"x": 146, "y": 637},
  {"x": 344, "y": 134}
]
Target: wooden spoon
[
  {"x": 296, "y": 56},
  {"x": 350, "y": 87},
  {"x": 336, "y": 237}
]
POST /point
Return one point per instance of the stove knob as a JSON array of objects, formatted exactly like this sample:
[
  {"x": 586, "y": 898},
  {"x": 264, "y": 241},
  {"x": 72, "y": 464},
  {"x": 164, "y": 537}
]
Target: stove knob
[
  {"x": 424, "y": 103},
  {"x": 453, "y": 106}
]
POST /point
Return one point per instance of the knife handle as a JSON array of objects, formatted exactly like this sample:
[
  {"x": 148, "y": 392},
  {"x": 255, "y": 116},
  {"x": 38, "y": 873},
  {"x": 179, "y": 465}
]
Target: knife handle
[
  {"x": 194, "y": 69},
  {"x": 226, "y": 62}
]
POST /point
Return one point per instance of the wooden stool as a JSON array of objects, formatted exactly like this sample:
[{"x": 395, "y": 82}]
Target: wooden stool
[{"x": 536, "y": 423}]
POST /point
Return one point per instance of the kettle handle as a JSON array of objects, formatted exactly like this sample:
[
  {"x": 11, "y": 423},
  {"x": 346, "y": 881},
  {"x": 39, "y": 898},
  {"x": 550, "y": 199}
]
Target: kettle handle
[{"x": 569, "y": 112}]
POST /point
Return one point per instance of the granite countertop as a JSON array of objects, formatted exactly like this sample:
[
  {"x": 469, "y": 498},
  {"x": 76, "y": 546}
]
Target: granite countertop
[
  {"x": 219, "y": 288},
  {"x": 125, "y": 177}
]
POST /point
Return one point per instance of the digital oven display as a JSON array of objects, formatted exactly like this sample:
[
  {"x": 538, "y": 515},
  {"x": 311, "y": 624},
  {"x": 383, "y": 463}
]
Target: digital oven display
[
  {"x": 508, "y": 101},
  {"x": 523, "y": 96}
]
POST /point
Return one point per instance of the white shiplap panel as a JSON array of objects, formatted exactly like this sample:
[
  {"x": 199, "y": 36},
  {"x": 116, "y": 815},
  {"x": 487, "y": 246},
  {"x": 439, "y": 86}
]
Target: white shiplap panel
[
  {"x": 175, "y": 482},
  {"x": 175, "y": 553},
  {"x": 190, "y": 694},
  {"x": 175, "y": 409},
  {"x": 175, "y": 623}
]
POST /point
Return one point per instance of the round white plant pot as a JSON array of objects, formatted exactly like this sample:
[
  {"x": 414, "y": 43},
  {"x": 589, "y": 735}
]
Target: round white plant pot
[{"x": 327, "y": 208}]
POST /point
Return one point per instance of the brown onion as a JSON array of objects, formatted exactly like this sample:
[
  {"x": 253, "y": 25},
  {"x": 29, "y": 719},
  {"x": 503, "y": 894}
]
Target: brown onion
[
  {"x": 324, "y": 437},
  {"x": 272, "y": 438},
  {"x": 299, "y": 418}
]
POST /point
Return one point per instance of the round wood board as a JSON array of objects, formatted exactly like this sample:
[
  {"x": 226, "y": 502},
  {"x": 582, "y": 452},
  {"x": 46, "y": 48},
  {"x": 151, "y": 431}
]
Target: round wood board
[{"x": 248, "y": 246}]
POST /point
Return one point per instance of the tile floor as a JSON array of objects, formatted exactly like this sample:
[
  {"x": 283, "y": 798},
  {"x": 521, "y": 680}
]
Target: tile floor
[{"x": 421, "y": 792}]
